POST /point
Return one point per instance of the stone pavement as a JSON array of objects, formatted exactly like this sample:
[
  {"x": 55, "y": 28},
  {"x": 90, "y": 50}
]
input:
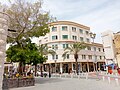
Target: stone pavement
[{"x": 69, "y": 84}]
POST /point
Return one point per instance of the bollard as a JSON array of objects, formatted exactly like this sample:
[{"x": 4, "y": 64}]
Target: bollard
[
  {"x": 103, "y": 78},
  {"x": 65, "y": 75},
  {"x": 71, "y": 75},
  {"x": 109, "y": 80},
  {"x": 117, "y": 82},
  {"x": 60, "y": 75},
  {"x": 78, "y": 76},
  {"x": 116, "y": 74},
  {"x": 86, "y": 76}
]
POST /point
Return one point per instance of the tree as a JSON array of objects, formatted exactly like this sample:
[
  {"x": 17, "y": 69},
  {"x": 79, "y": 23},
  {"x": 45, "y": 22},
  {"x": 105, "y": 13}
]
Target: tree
[
  {"x": 43, "y": 51},
  {"x": 36, "y": 58},
  {"x": 28, "y": 19},
  {"x": 75, "y": 49},
  {"x": 17, "y": 54},
  {"x": 27, "y": 53}
]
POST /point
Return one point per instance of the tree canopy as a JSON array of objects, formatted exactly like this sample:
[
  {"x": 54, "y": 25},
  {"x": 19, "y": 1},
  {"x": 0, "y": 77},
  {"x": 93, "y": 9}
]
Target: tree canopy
[
  {"x": 27, "y": 53},
  {"x": 27, "y": 19}
]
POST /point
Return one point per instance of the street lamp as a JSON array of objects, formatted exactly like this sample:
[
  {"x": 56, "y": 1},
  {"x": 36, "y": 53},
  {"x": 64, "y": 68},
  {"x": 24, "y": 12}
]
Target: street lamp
[
  {"x": 56, "y": 47},
  {"x": 93, "y": 35}
]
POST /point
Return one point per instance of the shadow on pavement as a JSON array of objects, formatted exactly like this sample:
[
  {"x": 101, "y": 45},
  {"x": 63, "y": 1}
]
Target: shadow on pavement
[{"x": 47, "y": 80}]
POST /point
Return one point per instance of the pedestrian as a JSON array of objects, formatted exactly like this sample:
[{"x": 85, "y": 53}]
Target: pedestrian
[
  {"x": 97, "y": 74},
  {"x": 118, "y": 71}
]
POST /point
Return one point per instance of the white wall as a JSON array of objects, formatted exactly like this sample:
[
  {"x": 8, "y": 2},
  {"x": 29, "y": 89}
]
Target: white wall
[{"x": 107, "y": 39}]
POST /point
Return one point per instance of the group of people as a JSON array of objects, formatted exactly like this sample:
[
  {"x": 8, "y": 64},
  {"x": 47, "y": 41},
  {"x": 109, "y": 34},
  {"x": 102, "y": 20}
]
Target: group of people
[{"x": 113, "y": 70}]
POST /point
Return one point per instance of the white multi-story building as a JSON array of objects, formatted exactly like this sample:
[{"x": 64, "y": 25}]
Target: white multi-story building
[
  {"x": 111, "y": 44},
  {"x": 107, "y": 39},
  {"x": 64, "y": 33}
]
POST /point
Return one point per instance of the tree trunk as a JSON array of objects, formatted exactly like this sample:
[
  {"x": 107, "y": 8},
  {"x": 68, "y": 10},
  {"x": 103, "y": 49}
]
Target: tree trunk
[
  {"x": 49, "y": 71},
  {"x": 20, "y": 68},
  {"x": 35, "y": 70},
  {"x": 41, "y": 71},
  {"x": 76, "y": 62}
]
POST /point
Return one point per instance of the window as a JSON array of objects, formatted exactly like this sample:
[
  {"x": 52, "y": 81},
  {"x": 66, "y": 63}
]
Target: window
[
  {"x": 54, "y": 28},
  {"x": 64, "y": 36},
  {"x": 55, "y": 46},
  {"x": 90, "y": 56},
  {"x": 100, "y": 57},
  {"x": 74, "y": 37},
  {"x": 64, "y": 28},
  {"x": 99, "y": 49},
  {"x": 88, "y": 48},
  {"x": 88, "y": 40},
  {"x": 54, "y": 37},
  {"x": 87, "y": 33},
  {"x": 94, "y": 48},
  {"x": 52, "y": 46},
  {"x": 56, "y": 56},
  {"x": 53, "y": 56},
  {"x": 103, "y": 50},
  {"x": 95, "y": 57},
  {"x": 83, "y": 57},
  {"x": 67, "y": 56},
  {"x": 104, "y": 57},
  {"x": 81, "y": 39},
  {"x": 81, "y": 31},
  {"x": 46, "y": 57},
  {"x": 73, "y": 29},
  {"x": 65, "y": 45}
]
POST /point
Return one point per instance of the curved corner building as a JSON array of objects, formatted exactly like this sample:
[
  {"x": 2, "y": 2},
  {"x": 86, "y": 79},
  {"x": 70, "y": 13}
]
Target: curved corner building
[{"x": 61, "y": 35}]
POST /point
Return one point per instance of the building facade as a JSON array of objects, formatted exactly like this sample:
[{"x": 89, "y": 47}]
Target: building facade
[
  {"x": 107, "y": 39},
  {"x": 117, "y": 47},
  {"x": 64, "y": 33}
]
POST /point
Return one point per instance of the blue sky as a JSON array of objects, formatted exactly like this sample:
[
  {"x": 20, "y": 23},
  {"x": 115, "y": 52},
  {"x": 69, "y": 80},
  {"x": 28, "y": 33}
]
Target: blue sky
[{"x": 99, "y": 15}]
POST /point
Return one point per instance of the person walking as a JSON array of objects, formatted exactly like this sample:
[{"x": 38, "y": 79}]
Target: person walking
[{"x": 97, "y": 74}]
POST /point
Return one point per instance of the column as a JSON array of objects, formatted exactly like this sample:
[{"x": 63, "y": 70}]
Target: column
[
  {"x": 3, "y": 36},
  {"x": 88, "y": 66},
  {"x": 61, "y": 68},
  {"x": 99, "y": 65},
  {"x": 72, "y": 66},
  {"x": 81, "y": 67},
  {"x": 94, "y": 66}
]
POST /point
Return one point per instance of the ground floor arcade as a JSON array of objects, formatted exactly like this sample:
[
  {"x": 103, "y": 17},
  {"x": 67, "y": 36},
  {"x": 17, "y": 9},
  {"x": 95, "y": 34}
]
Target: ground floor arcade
[{"x": 69, "y": 67}]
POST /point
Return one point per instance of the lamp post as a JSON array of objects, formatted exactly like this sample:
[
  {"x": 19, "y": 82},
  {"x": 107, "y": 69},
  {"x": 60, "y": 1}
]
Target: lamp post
[
  {"x": 93, "y": 35},
  {"x": 56, "y": 47}
]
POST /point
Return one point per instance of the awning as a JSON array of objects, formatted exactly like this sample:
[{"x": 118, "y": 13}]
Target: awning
[{"x": 112, "y": 65}]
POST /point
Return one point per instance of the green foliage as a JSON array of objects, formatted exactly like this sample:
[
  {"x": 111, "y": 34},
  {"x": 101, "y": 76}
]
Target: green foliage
[
  {"x": 74, "y": 48},
  {"x": 27, "y": 53},
  {"x": 44, "y": 50}
]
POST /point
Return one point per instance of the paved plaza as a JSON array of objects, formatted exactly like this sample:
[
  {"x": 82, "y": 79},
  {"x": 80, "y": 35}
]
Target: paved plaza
[{"x": 70, "y": 84}]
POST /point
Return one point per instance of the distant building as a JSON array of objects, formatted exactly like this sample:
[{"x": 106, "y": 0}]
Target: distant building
[
  {"x": 111, "y": 44},
  {"x": 117, "y": 46},
  {"x": 107, "y": 39},
  {"x": 64, "y": 33}
]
